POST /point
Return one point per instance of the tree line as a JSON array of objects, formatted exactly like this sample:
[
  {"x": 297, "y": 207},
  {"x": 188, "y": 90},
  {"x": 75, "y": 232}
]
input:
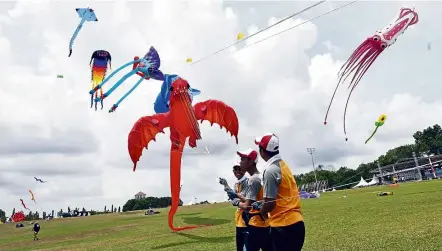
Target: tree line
[
  {"x": 149, "y": 202},
  {"x": 426, "y": 142}
]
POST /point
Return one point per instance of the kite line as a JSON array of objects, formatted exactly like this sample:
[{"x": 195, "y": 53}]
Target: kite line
[
  {"x": 314, "y": 18},
  {"x": 256, "y": 33}
]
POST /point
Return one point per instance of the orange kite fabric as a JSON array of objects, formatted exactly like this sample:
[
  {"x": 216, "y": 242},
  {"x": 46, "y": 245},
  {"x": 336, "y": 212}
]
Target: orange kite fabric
[{"x": 182, "y": 119}]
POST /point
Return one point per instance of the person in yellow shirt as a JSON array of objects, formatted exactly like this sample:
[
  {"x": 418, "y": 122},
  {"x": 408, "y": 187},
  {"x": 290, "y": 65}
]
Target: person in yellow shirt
[
  {"x": 258, "y": 231},
  {"x": 239, "y": 188},
  {"x": 281, "y": 198}
]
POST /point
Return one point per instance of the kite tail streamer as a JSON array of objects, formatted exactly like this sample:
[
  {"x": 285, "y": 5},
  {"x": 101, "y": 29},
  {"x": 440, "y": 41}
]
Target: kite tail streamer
[
  {"x": 112, "y": 74},
  {"x": 71, "y": 43},
  {"x": 176, "y": 154},
  {"x": 125, "y": 95},
  {"x": 371, "y": 136}
]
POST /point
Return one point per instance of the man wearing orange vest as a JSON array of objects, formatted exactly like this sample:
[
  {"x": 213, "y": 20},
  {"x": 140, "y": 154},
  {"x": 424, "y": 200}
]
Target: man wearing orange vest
[
  {"x": 281, "y": 198},
  {"x": 258, "y": 235},
  {"x": 239, "y": 188}
]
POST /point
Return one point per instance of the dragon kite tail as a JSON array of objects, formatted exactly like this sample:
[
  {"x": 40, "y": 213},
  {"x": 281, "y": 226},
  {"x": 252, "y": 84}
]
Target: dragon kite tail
[{"x": 176, "y": 154}]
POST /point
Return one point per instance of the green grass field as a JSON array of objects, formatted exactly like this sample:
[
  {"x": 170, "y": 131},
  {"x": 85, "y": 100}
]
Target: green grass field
[{"x": 411, "y": 219}]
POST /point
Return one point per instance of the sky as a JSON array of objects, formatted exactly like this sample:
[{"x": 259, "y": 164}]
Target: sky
[{"x": 282, "y": 85}]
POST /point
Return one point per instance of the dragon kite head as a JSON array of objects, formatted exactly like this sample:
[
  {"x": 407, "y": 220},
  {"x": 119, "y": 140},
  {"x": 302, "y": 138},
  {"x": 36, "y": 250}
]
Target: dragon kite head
[
  {"x": 388, "y": 36},
  {"x": 179, "y": 92}
]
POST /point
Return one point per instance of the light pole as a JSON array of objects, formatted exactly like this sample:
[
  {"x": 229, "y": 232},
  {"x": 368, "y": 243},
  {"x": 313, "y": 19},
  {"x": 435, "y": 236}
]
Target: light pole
[{"x": 311, "y": 151}]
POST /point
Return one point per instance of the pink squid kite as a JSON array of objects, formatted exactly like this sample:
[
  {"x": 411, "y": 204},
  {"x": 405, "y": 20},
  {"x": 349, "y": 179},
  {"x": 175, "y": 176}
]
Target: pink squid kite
[{"x": 369, "y": 50}]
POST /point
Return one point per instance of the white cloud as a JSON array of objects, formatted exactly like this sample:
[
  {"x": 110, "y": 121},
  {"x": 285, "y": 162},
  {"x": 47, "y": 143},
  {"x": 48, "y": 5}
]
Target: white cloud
[{"x": 281, "y": 85}]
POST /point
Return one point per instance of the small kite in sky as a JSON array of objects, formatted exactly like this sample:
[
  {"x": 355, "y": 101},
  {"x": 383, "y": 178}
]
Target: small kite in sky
[
  {"x": 23, "y": 204},
  {"x": 240, "y": 36},
  {"x": 365, "y": 55},
  {"x": 86, "y": 14},
  {"x": 32, "y": 196},
  {"x": 380, "y": 122},
  {"x": 60, "y": 76},
  {"x": 39, "y": 180}
]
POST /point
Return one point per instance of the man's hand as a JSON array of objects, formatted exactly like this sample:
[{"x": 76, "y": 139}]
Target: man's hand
[
  {"x": 223, "y": 181},
  {"x": 257, "y": 205},
  {"x": 228, "y": 190},
  {"x": 232, "y": 195},
  {"x": 235, "y": 202}
]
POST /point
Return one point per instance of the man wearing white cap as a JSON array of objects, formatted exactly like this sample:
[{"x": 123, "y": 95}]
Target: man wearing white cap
[
  {"x": 258, "y": 235},
  {"x": 281, "y": 198}
]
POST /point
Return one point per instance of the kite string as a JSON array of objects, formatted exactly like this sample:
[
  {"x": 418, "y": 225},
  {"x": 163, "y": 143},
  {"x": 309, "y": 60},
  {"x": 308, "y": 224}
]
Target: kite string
[
  {"x": 297, "y": 25},
  {"x": 256, "y": 33}
]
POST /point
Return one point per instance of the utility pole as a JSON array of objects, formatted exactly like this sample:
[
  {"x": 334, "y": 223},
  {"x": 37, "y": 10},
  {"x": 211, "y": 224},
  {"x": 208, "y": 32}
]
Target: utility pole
[
  {"x": 311, "y": 151},
  {"x": 419, "y": 174}
]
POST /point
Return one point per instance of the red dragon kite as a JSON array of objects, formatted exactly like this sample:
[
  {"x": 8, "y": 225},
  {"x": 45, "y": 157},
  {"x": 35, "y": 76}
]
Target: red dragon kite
[{"x": 182, "y": 119}]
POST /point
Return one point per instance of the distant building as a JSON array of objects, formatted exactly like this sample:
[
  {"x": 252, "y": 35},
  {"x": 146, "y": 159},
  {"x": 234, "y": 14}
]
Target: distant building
[{"x": 140, "y": 195}]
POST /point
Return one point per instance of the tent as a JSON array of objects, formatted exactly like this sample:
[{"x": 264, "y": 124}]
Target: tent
[
  {"x": 374, "y": 181},
  {"x": 362, "y": 183},
  {"x": 307, "y": 195}
]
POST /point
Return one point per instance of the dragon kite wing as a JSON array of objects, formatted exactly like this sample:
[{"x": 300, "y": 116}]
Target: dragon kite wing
[
  {"x": 86, "y": 14},
  {"x": 380, "y": 122},
  {"x": 144, "y": 131},
  {"x": 218, "y": 112},
  {"x": 368, "y": 51}
]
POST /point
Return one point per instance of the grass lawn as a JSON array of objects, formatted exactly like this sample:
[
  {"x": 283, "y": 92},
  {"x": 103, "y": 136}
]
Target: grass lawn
[{"x": 411, "y": 219}]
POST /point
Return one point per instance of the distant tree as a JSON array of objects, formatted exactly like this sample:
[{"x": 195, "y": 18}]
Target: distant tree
[
  {"x": 149, "y": 202},
  {"x": 29, "y": 216},
  {"x": 119, "y": 209},
  {"x": 69, "y": 209},
  {"x": 112, "y": 208},
  {"x": 105, "y": 209},
  {"x": 2, "y": 216},
  {"x": 115, "y": 210},
  {"x": 429, "y": 141},
  {"x": 44, "y": 215},
  {"x": 52, "y": 214},
  {"x": 13, "y": 211}
]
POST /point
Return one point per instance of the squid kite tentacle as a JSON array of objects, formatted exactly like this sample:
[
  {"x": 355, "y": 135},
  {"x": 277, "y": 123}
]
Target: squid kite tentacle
[
  {"x": 366, "y": 66},
  {"x": 367, "y": 52}
]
